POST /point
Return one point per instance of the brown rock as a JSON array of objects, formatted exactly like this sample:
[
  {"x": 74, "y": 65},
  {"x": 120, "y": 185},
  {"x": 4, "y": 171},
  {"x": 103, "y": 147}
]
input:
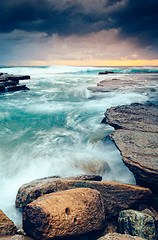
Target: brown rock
[
  {"x": 137, "y": 140},
  {"x": 116, "y": 196},
  {"x": 137, "y": 117},
  {"x": 16, "y": 237},
  {"x": 32, "y": 190},
  {"x": 7, "y": 227},
  {"x": 66, "y": 213},
  {"x": 139, "y": 153},
  {"x": 117, "y": 236}
]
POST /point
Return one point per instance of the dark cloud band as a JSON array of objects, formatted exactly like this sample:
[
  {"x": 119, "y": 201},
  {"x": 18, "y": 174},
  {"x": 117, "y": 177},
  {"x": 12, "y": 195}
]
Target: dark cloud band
[{"x": 136, "y": 18}]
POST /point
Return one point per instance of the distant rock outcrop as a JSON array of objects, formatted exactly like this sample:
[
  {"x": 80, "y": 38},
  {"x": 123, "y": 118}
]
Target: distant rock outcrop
[
  {"x": 106, "y": 72},
  {"x": 119, "y": 84},
  {"x": 10, "y": 82}
]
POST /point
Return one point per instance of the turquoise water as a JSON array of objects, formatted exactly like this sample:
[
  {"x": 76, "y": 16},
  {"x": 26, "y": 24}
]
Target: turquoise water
[{"x": 54, "y": 129}]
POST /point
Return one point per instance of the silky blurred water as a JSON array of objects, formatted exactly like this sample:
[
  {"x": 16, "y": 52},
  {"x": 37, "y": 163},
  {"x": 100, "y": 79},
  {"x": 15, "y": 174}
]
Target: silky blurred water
[{"x": 54, "y": 129}]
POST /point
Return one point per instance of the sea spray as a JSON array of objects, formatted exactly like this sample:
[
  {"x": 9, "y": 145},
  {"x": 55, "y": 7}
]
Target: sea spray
[{"x": 55, "y": 127}]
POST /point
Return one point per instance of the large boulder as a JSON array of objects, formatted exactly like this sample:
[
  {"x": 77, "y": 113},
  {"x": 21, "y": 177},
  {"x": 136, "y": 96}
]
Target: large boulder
[
  {"x": 64, "y": 214},
  {"x": 117, "y": 236},
  {"x": 7, "y": 226},
  {"x": 136, "y": 137},
  {"x": 116, "y": 196},
  {"x": 137, "y": 223},
  {"x": 34, "y": 189}
]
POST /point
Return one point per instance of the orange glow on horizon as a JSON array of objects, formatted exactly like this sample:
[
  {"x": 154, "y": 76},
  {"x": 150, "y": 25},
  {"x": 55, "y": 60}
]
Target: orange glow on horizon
[{"x": 99, "y": 63}]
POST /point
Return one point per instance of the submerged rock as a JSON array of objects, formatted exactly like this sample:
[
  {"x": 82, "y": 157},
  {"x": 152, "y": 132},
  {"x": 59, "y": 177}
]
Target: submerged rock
[
  {"x": 137, "y": 84},
  {"x": 7, "y": 226},
  {"x": 117, "y": 236},
  {"x": 116, "y": 196},
  {"x": 137, "y": 140},
  {"x": 66, "y": 213},
  {"x": 137, "y": 224},
  {"x": 93, "y": 166}
]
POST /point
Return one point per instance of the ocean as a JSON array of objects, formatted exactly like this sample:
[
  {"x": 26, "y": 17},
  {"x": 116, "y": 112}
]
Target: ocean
[{"x": 55, "y": 128}]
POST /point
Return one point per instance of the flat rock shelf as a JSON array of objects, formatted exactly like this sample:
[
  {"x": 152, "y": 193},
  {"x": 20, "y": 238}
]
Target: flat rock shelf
[{"x": 10, "y": 82}]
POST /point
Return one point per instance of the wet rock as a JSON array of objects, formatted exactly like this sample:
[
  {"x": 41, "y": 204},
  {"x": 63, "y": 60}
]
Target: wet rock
[
  {"x": 137, "y": 140},
  {"x": 16, "y": 237},
  {"x": 137, "y": 117},
  {"x": 34, "y": 189},
  {"x": 66, "y": 213},
  {"x": 9, "y": 82},
  {"x": 109, "y": 85},
  {"x": 137, "y": 224},
  {"x": 116, "y": 196},
  {"x": 5, "y": 77},
  {"x": 93, "y": 166},
  {"x": 86, "y": 178},
  {"x": 151, "y": 212},
  {"x": 138, "y": 84},
  {"x": 7, "y": 226},
  {"x": 117, "y": 236},
  {"x": 139, "y": 153},
  {"x": 106, "y": 72}
]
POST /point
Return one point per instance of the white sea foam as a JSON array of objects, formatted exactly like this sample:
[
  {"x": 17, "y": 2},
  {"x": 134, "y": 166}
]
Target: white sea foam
[{"x": 55, "y": 127}]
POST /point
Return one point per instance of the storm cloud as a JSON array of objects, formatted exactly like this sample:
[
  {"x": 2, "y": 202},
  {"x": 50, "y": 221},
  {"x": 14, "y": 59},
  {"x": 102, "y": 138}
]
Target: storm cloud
[
  {"x": 66, "y": 17},
  {"x": 77, "y": 30}
]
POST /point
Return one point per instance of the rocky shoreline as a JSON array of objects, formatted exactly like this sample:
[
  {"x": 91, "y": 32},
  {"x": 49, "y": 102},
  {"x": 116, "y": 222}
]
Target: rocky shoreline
[
  {"x": 87, "y": 208},
  {"x": 83, "y": 207}
]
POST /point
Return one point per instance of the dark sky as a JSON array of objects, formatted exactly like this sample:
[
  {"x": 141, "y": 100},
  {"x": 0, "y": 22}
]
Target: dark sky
[{"x": 25, "y": 21}]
